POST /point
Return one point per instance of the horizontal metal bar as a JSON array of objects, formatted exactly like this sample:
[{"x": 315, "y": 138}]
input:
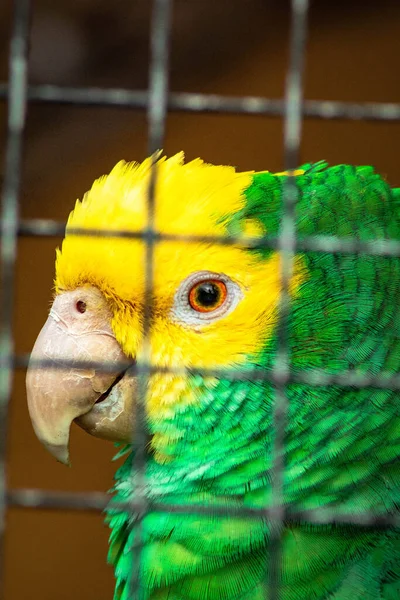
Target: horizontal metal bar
[
  {"x": 97, "y": 502},
  {"x": 44, "y": 499},
  {"x": 313, "y": 377},
  {"x": 318, "y": 243},
  {"x": 207, "y": 103}
]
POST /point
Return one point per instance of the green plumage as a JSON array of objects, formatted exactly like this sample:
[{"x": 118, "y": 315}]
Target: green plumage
[{"x": 342, "y": 444}]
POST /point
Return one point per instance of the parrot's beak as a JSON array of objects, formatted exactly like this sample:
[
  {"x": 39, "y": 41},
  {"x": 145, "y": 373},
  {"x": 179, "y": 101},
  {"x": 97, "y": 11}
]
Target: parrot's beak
[{"x": 66, "y": 387}]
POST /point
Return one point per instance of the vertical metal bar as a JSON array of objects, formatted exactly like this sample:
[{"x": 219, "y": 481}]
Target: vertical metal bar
[
  {"x": 156, "y": 114},
  {"x": 286, "y": 247},
  {"x": 17, "y": 98}
]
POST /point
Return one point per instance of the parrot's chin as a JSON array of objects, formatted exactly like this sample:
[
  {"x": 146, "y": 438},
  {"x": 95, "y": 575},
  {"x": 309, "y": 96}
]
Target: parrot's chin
[{"x": 112, "y": 416}]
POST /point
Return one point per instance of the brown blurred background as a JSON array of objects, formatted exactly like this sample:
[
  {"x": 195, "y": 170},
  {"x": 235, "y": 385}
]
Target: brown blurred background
[{"x": 225, "y": 46}]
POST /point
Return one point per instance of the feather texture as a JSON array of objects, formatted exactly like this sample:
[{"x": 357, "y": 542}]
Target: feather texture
[{"x": 212, "y": 437}]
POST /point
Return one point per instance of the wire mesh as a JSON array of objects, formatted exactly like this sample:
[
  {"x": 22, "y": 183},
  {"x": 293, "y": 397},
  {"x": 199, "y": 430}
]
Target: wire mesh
[{"x": 157, "y": 100}]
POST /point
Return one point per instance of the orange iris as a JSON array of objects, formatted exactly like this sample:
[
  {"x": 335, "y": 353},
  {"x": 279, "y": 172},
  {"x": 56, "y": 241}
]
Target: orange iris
[{"x": 208, "y": 295}]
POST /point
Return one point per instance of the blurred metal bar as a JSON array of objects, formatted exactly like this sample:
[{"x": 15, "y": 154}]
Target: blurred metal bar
[
  {"x": 286, "y": 247},
  {"x": 315, "y": 243},
  {"x": 207, "y": 103},
  {"x": 156, "y": 115},
  {"x": 49, "y": 500},
  {"x": 97, "y": 502},
  {"x": 356, "y": 379},
  {"x": 16, "y": 114}
]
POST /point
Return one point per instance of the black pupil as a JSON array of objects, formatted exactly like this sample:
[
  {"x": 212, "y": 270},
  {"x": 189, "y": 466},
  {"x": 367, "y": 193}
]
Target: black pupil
[{"x": 207, "y": 294}]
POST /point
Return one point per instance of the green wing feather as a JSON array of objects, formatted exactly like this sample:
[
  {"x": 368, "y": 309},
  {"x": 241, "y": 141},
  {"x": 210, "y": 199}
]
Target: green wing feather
[{"x": 342, "y": 444}]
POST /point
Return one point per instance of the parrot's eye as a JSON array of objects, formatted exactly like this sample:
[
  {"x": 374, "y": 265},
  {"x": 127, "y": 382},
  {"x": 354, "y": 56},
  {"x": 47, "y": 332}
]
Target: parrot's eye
[
  {"x": 81, "y": 306},
  {"x": 204, "y": 297}
]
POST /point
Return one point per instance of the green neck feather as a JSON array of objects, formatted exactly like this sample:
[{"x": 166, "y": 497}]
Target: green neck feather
[{"x": 341, "y": 446}]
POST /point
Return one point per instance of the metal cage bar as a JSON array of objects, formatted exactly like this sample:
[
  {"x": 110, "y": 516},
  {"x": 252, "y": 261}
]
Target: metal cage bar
[
  {"x": 208, "y": 103},
  {"x": 156, "y": 115},
  {"x": 157, "y": 100},
  {"x": 97, "y": 502},
  {"x": 9, "y": 229},
  {"x": 286, "y": 247},
  {"x": 316, "y": 243},
  {"x": 315, "y": 377}
]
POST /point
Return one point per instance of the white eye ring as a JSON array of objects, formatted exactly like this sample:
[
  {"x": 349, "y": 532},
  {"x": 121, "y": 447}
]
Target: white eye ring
[{"x": 182, "y": 311}]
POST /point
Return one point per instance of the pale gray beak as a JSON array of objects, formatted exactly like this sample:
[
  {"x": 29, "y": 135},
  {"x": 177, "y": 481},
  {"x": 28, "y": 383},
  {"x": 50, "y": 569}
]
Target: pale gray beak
[{"x": 77, "y": 333}]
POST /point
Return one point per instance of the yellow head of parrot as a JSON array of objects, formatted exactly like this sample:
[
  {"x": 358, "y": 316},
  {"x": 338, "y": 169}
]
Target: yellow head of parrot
[{"x": 97, "y": 314}]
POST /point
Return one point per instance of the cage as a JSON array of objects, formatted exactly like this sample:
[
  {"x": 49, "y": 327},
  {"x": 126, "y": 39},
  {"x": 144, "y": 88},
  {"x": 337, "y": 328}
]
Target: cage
[{"x": 102, "y": 85}]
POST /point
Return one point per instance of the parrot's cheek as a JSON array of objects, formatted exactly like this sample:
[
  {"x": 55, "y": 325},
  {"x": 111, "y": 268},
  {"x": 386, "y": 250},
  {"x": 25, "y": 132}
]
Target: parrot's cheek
[
  {"x": 112, "y": 416},
  {"x": 75, "y": 362}
]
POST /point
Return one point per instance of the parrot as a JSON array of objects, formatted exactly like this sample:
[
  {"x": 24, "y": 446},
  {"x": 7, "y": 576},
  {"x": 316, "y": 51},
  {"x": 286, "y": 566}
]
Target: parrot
[{"x": 209, "y": 436}]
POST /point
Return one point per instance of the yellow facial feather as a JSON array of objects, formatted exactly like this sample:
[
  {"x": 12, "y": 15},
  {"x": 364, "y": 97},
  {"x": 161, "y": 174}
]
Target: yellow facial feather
[{"x": 191, "y": 199}]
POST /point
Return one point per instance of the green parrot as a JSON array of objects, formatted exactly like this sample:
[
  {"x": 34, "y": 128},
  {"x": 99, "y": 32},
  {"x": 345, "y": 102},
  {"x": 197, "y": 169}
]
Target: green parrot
[{"x": 214, "y": 312}]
